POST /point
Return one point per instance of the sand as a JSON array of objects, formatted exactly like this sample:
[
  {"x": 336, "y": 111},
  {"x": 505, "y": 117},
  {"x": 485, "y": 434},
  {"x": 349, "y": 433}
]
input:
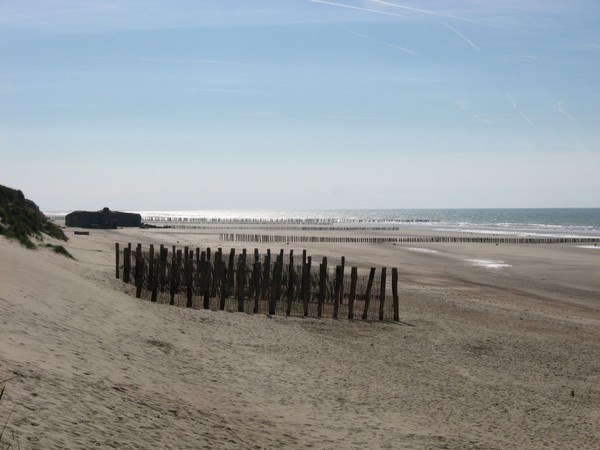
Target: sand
[{"x": 499, "y": 347}]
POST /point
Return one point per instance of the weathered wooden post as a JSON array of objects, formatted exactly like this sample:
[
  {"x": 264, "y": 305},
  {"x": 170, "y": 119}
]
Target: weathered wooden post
[
  {"x": 175, "y": 259},
  {"x": 290, "y": 293},
  {"x": 117, "y": 256},
  {"x": 276, "y": 287},
  {"x": 189, "y": 280},
  {"x": 206, "y": 304},
  {"x": 256, "y": 282},
  {"x": 241, "y": 280},
  {"x": 353, "y": 280},
  {"x": 306, "y": 282},
  {"x": 231, "y": 269},
  {"x": 266, "y": 290},
  {"x": 198, "y": 271},
  {"x": 151, "y": 266},
  {"x": 139, "y": 271},
  {"x": 301, "y": 281},
  {"x": 368, "y": 293},
  {"x": 154, "y": 286},
  {"x": 322, "y": 286},
  {"x": 336, "y": 290},
  {"x": 382, "y": 292},
  {"x": 224, "y": 285},
  {"x": 277, "y": 276},
  {"x": 127, "y": 263},
  {"x": 342, "y": 279},
  {"x": 216, "y": 273},
  {"x": 164, "y": 254},
  {"x": 395, "y": 294}
]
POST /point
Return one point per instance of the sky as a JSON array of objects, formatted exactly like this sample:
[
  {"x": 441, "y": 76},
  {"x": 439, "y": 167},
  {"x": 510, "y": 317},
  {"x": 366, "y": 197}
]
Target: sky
[{"x": 300, "y": 104}]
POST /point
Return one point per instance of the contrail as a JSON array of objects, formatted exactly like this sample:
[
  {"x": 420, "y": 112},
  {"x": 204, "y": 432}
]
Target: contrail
[
  {"x": 521, "y": 113},
  {"x": 566, "y": 114},
  {"x": 341, "y": 5},
  {"x": 431, "y": 13},
  {"x": 526, "y": 118},
  {"x": 190, "y": 61},
  {"x": 462, "y": 36},
  {"x": 397, "y": 47}
]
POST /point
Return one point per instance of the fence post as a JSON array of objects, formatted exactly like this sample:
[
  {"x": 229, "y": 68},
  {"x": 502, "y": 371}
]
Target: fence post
[
  {"x": 302, "y": 281},
  {"x": 188, "y": 279},
  {"x": 155, "y": 282},
  {"x": 164, "y": 254},
  {"x": 117, "y": 255},
  {"x": 241, "y": 280},
  {"x": 277, "y": 277},
  {"x": 368, "y": 293},
  {"x": 322, "y": 286},
  {"x": 231, "y": 268},
  {"x": 336, "y": 290},
  {"x": 126, "y": 263},
  {"x": 276, "y": 285},
  {"x": 342, "y": 279},
  {"x": 256, "y": 282},
  {"x": 206, "y": 303},
  {"x": 175, "y": 258},
  {"x": 395, "y": 294},
  {"x": 266, "y": 291},
  {"x": 151, "y": 266},
  {"x": 290, "y": 293},
  {"x": 353, "y": 280},
  {"x": 382, "y": 292},
  {"x": 306, "y": 281},
  {"x": 139, "y": 271},
  {"x": 216, "y": 273},
  {"x": 224, "y": 286}
]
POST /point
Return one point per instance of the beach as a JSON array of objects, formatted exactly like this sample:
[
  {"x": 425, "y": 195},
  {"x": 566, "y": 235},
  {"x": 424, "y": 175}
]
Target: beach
[{"x": 498, "y": 347}]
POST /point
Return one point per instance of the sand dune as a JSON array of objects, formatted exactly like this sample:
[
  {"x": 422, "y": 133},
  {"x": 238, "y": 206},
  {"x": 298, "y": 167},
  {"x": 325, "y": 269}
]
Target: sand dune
[{"x": 486, "y": 357}]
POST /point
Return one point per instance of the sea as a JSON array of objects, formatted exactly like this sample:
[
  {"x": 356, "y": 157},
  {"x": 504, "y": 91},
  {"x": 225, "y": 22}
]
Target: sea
[{"x": 551, "y": 222}]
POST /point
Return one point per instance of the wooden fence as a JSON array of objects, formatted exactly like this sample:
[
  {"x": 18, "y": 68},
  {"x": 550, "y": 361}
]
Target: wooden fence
[
  {"x": 271, "y": 283},
  {"x": 231, "y": 237}
]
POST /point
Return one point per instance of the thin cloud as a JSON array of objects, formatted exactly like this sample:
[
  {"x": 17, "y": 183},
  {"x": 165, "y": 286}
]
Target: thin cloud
[
  {"x": 342, "y": 5},
  {"x": 462, "y": 36}
]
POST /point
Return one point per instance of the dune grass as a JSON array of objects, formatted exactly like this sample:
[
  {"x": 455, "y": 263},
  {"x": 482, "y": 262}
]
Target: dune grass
[{"x": 21, "y": 219}]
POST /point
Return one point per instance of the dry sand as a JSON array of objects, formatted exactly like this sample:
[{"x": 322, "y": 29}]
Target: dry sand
[{"x": 499, "y": 348}]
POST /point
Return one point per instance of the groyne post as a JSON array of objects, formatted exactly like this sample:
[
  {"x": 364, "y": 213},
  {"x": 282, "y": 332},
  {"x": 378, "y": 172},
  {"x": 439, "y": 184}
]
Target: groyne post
[
  {"x": 368, "y": 293},
  {"x": 117, "y": 256},
  {"x": 382, "y": 292},
  {"x": 395, "y": 294},
  {"x": 353, "y": 281}
]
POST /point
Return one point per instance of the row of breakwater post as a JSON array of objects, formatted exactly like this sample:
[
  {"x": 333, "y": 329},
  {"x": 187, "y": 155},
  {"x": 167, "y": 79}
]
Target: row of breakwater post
[
  {"x": 263, "y": 238},
  {"x": 270, "y": 283}
]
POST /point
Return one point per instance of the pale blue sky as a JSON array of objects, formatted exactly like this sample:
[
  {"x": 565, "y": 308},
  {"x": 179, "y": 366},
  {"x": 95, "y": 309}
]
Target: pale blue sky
[{"x": 300, "y": 104}]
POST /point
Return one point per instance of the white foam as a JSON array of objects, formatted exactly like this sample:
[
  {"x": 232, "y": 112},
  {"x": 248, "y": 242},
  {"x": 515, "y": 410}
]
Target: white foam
[
  {"x": 488, "y": 263},
  {"x": 421, "y": 250},
  {"x": 593, "y": 247}
]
